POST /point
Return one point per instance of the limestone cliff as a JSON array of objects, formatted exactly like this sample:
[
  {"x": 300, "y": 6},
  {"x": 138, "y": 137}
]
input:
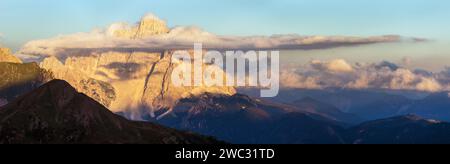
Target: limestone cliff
[
  {"x": 76, "y": 75},
  {"x": 7, "y": 56},
  {"x": 135, "y": 82},
  {"x": 140, "y": 82}
]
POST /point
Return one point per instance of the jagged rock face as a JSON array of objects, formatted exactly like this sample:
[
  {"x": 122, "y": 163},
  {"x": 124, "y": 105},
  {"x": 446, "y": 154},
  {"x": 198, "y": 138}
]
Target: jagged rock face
[
  {"x": 101, "y": 91},
  {"x": 149, "y": 26},
  {"x": 141, "y": 81},
  {"x": 6, "y": 56},
  {"x": 136, "y": 83}
]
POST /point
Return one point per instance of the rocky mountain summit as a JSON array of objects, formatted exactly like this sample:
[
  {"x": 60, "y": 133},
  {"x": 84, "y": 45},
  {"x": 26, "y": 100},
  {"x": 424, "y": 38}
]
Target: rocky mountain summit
[
  {"x": 149, "y": 25},
  {"x": 132, "y": 81}
]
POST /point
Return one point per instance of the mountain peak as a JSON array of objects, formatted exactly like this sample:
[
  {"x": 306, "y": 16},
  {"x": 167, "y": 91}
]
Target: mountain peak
[
  {"x": 57, "y": 113},
  {"x": 150, "y": 25},
  {"x": 60, "y": 98},
  {"x": 59, "y": 89},
  {"x": 151, "y": 17}
]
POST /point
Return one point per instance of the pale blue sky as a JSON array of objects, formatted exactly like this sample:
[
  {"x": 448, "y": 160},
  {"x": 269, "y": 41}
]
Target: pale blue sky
[{"x": 24, "y": 20}]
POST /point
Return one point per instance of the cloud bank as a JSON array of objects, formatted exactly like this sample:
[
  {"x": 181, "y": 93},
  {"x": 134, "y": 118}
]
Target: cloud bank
[
  {"x": 384, "y": 75},
  {"x": 184, "y": 37}
]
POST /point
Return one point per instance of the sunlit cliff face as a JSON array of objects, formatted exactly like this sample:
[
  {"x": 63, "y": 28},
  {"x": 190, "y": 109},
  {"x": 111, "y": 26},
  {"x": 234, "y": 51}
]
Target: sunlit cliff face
[
  {"x": 7, "y": 56},
  {"x": 135, "y": 81},
  {"x": 140, "y": 81}
]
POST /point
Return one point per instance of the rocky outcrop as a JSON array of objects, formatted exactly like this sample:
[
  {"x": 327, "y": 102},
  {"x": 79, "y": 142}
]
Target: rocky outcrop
[
  {"x": 138, "y": 83},
  {"x": 149, "y": 25},
  {"x": 7, "y": 56},
  {"x": 77, "y": 75}
]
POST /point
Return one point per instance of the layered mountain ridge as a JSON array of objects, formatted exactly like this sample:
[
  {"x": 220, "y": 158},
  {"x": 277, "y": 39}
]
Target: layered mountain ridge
[
  {"x": 18, "y": 79},
  {"x": 136, "y": 82},
  {"x": 407, "y": 129},
  {"x": 56, "y": 113},
  {"x": 244, "y": 120}
]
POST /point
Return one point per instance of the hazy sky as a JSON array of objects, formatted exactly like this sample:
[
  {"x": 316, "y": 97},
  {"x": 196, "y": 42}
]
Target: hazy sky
[{"x": 24, "y": 20}]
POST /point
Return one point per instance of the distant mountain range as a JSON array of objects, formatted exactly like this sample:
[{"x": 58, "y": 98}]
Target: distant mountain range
[
  {"x": 241, "y": 119},
  {"x": 311, "y": 105},
  {"x": 409, "y": 129},
  {"x": 57, "y": 113},
  {"x": 372, "y": 105},
  {"x": 115, "y": 70}
]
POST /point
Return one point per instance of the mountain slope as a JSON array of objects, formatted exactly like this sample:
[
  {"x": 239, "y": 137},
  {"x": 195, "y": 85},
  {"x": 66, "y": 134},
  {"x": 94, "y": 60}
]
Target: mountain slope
[
  {"x": 409, "y": 129},
  {"x": 241, "y": 119},
  {"x": 57, "y": 113},
  {"x": 435, "y": 106},
  {"x": 311, "y": 105},
  {"x": 366, "y": 104},
  {"x": 17, "y": 79}
]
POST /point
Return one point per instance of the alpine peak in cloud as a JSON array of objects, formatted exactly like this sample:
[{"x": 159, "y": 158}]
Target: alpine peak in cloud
[{"x": 152, "y": 34}]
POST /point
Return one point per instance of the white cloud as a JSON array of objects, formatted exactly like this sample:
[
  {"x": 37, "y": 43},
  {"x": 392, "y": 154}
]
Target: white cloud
[
  {"x": 338, "y": 65},
  {"x": 385, "y": 75},
  {"x": 184, "y": 37}
]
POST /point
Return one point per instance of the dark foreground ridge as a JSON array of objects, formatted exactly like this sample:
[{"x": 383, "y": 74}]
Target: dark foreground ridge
[{"x": 57, "y": 113}]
